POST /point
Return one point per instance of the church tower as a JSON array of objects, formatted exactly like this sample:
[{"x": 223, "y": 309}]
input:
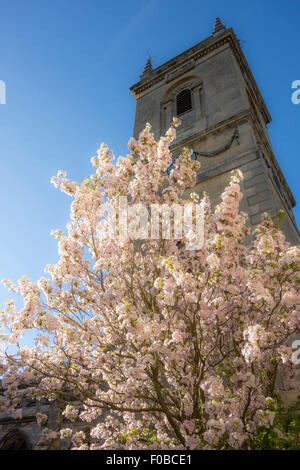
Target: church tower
[{"x": 224, "y": 118}]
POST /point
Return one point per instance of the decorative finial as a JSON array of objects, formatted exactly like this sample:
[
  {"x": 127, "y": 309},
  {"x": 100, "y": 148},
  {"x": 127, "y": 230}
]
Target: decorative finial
[
  {"x": 148, "y": 69},
  {"x": 218, "y": 27}
]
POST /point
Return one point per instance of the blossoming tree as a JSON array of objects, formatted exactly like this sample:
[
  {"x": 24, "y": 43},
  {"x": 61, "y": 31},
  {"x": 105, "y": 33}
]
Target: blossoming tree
[{"x": 153, "y": 345}]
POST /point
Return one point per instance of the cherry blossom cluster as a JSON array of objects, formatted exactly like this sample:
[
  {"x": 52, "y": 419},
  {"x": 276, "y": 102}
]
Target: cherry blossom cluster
[{"x": 150, "y": 345}]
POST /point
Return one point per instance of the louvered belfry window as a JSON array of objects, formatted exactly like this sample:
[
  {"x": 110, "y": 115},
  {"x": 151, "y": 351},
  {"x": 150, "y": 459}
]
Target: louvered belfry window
[{"x": 184, "y": 102}]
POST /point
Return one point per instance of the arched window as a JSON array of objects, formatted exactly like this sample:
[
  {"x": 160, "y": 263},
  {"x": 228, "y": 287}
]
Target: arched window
[
  {"x": 14, "y": 440},
  {"x": 183, "y": 102}
]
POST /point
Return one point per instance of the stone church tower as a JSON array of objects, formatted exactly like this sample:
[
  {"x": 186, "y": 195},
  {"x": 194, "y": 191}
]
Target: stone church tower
[{"x": 224, "y": 118}]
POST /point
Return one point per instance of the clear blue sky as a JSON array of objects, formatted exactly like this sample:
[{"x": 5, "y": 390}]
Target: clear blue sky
[{"x": 68, "y": 65}]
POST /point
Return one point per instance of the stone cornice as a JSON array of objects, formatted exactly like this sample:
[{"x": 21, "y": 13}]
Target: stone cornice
[
  {"x": 163, "y": 72},
  {"x": 232, "y": 123},
  {"x": 24, "y": 419}
]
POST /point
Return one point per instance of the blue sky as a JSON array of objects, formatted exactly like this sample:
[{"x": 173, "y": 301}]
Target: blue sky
[{"x": 68, "y": 65}]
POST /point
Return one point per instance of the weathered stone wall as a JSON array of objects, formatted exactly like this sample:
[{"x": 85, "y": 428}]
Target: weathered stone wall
[{"x": 27, "y": 425}]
